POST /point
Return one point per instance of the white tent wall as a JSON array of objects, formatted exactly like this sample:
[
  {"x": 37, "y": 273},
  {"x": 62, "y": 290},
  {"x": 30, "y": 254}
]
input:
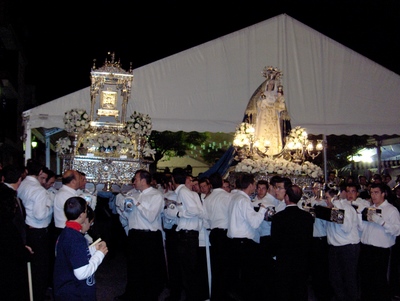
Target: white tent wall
[{"x": 329, "y": 89}]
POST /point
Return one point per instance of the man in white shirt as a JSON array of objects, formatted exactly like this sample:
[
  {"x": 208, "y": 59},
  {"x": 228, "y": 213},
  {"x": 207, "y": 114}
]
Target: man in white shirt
[
  {"x": 71, "y": 183},
  {"x": 189, "y": 215},
  {"x": 319, "y": 254},
  {"x": 146, "y": 270},
  {"x": 39, "y": 212},
  {"x": 377, "y": 237},
  {"x": 91, "y": 198},
  {"x": 216, "y": 207},
  {"x": 344, "y": 247},
  {"x": 267, "y": 265},
  {"x": 242, "y": 229}
]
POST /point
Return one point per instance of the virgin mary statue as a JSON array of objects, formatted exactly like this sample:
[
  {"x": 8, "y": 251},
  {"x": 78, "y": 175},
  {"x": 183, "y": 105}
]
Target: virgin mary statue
[{"x": 267, "y": 111}]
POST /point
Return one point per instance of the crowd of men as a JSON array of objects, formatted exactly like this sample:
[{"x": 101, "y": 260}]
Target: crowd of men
[
  {"x": 209, "y": 238},
  {"x": 34, "y": 215},
  {"x": 260, "y": 243}
]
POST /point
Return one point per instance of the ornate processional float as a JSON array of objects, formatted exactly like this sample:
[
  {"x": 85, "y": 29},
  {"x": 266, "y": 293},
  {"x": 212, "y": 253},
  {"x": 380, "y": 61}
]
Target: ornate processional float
[
  {"x": 102, "y": 143},
  {"x": 265, "y": 143}
]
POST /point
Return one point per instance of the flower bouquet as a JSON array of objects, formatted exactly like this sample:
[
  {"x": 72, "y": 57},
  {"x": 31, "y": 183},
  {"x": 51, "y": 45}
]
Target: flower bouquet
[
  {"x": 76, "y": 120},
  {"x": 296, "y": 138},
  {"x": 107, "y": 143},
  {"x": 139, "y": 124},
  {"x": 63, "y": 146}
]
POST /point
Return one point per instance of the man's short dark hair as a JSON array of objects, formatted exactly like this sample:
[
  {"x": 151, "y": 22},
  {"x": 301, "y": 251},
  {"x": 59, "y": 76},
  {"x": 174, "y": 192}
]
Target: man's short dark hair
[
  {"x": 245, "y": 180},
  {"x": 144, "y": 174},
  {"x": 294, "y": 193},
  {"x": 179, "y": 175},
  {"x": 273, "y": 180},
  {"x": 34, "y": 167},
  {"x": 12, "y": 173},
  {"x": 263, "y": 182},
  {"x": 286, "y": 182},
  {"x": 215, "y": 180}
]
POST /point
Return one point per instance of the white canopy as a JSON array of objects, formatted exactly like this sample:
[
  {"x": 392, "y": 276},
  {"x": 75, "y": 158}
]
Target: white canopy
[{"x": 329, "y": 89}]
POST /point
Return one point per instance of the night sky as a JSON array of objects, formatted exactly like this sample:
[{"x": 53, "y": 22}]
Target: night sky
[{"x": 62, "y": 38}]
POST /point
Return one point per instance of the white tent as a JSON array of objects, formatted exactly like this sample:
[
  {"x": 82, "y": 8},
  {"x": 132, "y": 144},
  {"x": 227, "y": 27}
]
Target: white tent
[{"x": 329, "y": 89}]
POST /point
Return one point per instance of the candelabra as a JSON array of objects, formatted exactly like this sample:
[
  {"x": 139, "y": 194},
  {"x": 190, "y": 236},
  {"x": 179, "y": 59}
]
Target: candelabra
[
  {"x": 246, "y": 145},
  {"x": 300, "y": 147}
]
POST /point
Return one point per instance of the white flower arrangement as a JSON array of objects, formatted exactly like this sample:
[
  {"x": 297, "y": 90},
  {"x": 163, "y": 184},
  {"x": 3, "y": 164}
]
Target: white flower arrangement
[
  {"x": 148, "y": 152},
  {"x": 63, "y": 145},
  {"x": 76, "y": 120},
  {"x": 244, "y": 134},
  {"x": 279, "y": 166},
  {"x": 107, "y": 142},
  {"x": 139, "y": 124}
]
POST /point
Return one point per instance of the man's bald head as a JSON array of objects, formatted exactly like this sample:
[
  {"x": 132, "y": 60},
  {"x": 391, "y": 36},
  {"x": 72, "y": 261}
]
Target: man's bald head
[{"x": 71, "y": 178}]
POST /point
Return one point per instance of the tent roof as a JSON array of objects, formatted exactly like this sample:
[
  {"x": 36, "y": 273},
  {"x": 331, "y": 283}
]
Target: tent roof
[{"x": 329, "y": 89}]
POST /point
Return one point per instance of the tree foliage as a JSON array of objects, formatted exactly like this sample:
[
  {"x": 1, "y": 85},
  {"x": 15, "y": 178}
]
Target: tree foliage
[
  {"x": 174, "y": 143},
  {"x": 339, "y": 148}
]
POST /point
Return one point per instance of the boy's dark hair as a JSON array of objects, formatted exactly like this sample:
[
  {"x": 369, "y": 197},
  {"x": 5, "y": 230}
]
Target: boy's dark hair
[{"x": 73, "y": 207}]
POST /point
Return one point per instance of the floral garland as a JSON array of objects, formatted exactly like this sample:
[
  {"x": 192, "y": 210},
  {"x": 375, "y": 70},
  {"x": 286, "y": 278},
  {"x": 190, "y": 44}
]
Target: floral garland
[
  {"x": 279, "y": 166},
  {"x": 63, "y": 145},
  {"x": 139, "y": 124},
  {"x": 76, "y": 120},
  {"x": 107, "y": 142}
]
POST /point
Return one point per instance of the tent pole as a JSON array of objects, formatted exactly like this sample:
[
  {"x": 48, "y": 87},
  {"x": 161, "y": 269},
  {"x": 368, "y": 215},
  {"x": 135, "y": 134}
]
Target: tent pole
[
  {"x": 28, "y": 145},
  {"x": 325, "y": 158},
  {"x": 47, "y": 143},
  {"x": 379, "y": 153}
]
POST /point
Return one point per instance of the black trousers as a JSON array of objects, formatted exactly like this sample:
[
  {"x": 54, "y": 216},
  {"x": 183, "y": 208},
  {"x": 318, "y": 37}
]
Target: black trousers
[
  {"x": 343, "y": 271},
  {"x": 320, "y": 269},
  {"x": 219, "y": 254},
  {"x": 373, "y": 273},
  {"x": 39, "y": 241},
  {"x": 244, "y": 261},
  {"x": 187, "y": 249},
  {"x": 146, "y": 271},
  {"x": 174, "y": 270}
]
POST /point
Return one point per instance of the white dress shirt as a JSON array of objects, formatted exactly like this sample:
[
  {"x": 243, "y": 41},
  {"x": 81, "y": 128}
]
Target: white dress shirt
[
  {"x": 216, "y": 207},
  {"x": 319, "y": 224},
  {"x": 37, "y": 202},
  {"x": 243, "y": 219},
  {"x": 63, "y": 194},
  {"x": 147, "y": 214},
  {"x": 382, "y": 236},
  {"x": 191, "y": 211},
  {"x": 268, "y": 201},
  {"x": 346, "y": 233}
]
